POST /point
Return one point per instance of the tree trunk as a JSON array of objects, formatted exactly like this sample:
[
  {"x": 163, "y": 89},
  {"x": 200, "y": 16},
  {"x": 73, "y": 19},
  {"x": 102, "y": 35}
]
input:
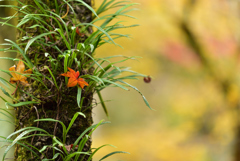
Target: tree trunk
[{"x": 57, "y": 104}]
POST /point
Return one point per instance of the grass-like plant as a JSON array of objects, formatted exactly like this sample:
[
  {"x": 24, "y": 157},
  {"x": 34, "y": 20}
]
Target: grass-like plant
[{"x": 57, "y": 74}]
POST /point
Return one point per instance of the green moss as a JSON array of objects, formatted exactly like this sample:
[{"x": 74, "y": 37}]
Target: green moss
[{"x": 54, "y": 104}]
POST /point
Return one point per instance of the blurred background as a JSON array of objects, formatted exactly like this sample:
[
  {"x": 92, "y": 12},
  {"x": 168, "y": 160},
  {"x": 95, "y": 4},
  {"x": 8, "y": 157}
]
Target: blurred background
[
  {"x": 191, "y": 50},
  {"x": 6, "y": 32}
]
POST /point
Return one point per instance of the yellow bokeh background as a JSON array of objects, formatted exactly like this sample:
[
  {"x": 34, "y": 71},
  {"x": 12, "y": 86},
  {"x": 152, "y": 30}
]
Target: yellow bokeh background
[{"x": 194, "y": 119}]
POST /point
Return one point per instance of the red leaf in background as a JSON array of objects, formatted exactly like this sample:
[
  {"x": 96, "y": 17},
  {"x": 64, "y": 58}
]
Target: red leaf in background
[{"x": 180, "y": 53}]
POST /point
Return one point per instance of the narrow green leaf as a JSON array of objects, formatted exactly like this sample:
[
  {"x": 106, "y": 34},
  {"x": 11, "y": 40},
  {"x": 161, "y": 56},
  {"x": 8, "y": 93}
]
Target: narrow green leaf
[
  {"x": 8, "y": 121},
  {"x": 23, "y": 21},
  {"x": 21, "y": 52},
  {"x": 86, "y": 5},
  {"x": 19, "y": 137},
  {"x": 116, "y": 152},
  {"x": 100, "y": 29},
  {"x": 73, "y": 119},
  {"x": 94, "y": 60},
  {"x": 39, "y": 6},
  {"x": 73, "y": 154},
  {"x": 54, "y": 157},
  {"x": 145, "y": 100},
  {"x": 81, "y": 146},
  {"x": 60, "y": 144},
  {"x": 94, "y": 78},
  {"x": 35, "y": 38},
  {"x": 57, "y": 6},
  {"x": 79, "y": 96},
  {"x": 102, "y": 103},
  {"x": 64, "y": 38},
  {"x": 88, "y": 129},
  {"x": 90, "y": 157},
  {"x": 7, "y": 111},
  {"x": 3, "y": 99},
  {"x": 53, "y": 120},
  {"x": 23, "y": 145},
  {"x": 118, "y": 85},
  {"x": 66, "y": 66},
  {"x": 52, "y": 77},
  {"x": 21, "y": 103},
  {"x": 10, "y": 118},
  {"x": 5, "y": 92}
]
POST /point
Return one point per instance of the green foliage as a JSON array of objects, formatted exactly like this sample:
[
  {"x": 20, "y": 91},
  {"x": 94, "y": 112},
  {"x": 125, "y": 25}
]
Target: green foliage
[
  {"x": 103, "y": 76},
  {"x": 77, "y": 55},
  {"x": 61, "y": 149}
]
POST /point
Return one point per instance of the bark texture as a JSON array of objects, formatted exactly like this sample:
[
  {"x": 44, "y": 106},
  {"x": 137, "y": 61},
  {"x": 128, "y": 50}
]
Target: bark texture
[{"x": 57, "y": 104}]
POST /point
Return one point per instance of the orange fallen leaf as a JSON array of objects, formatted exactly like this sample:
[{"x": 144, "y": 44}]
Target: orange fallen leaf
[
  {"x": 17, "y": 77},
  {"x": 74, "y": 79}
]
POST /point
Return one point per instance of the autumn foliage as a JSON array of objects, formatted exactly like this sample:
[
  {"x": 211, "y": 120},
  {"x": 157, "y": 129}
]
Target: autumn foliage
[
  {"x": 18, "y": 74},
  {"x": 74, "y": 79}
]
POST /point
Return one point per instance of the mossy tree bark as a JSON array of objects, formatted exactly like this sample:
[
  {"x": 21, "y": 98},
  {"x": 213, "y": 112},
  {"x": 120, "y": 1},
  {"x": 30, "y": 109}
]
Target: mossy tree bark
[{"x": 57, "y": 104}]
